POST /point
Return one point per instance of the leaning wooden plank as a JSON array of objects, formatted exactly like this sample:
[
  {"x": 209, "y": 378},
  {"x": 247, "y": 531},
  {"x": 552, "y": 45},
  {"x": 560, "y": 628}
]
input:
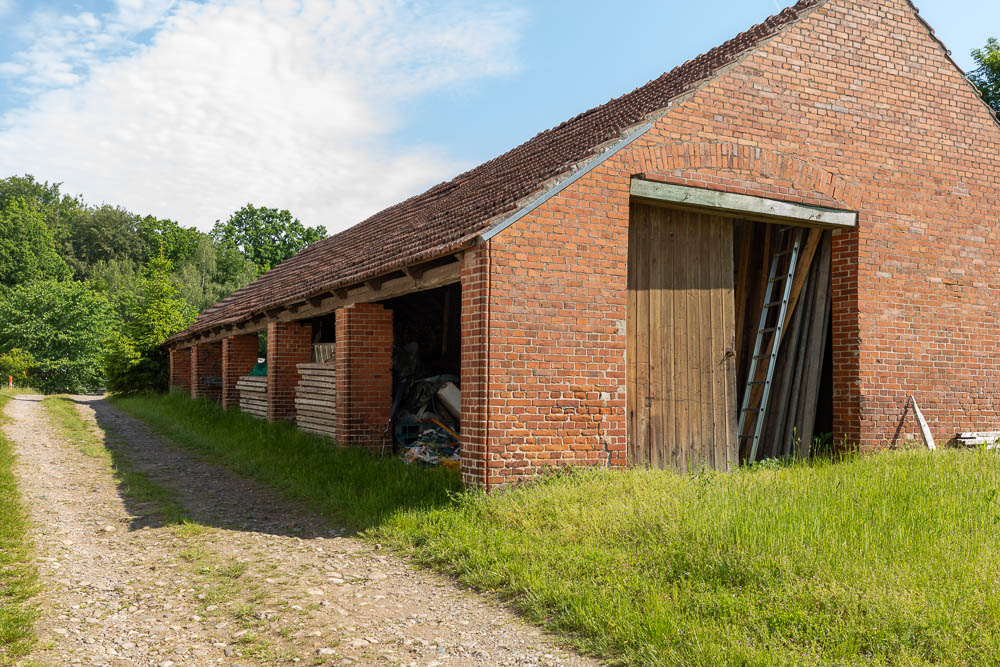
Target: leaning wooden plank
[
  {"x": 817, "y": 349},
  {"x": 802, "y": 270},
  {"x": 925, "y": 431},
  {"x": 791, "y": 425}
]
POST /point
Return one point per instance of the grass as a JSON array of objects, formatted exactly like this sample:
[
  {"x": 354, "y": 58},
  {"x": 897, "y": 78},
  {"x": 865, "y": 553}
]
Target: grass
[
  {"x": 884, "y": 559},
  {"x": 346, "y": 484},
  {"x": 18, "y": 578},
  {"x": 14, "y": 391}
]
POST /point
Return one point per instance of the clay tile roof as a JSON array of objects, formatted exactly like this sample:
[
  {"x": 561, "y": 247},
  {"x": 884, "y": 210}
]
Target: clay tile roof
[{"x": 447, "y": 216}]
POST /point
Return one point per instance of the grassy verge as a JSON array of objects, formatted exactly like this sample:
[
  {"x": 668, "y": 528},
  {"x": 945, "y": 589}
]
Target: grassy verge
[
  {"x": 881, "y": 559},
  {"x": 14, "y": 391},
  {"x": 18, "y": 578},
  {"x": 347, "y": 484}
]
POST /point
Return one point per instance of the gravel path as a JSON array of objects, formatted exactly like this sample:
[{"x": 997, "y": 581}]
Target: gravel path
[{"x": 254, "y": 580}]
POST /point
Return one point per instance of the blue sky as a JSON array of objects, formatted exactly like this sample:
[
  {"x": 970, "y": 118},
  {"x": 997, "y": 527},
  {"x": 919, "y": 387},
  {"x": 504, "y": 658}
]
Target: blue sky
[{"x": 331, "y": 108}]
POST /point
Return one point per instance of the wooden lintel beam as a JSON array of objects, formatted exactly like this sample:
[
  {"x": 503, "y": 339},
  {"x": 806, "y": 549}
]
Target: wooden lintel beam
[
  {"x": 743, "y": 206},
  {"x": 375, "y": 284},
  {"x": 341, "y": 292}
]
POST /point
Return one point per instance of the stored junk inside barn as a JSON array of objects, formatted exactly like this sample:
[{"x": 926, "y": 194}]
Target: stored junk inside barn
[{"x": 426, "y": 408}]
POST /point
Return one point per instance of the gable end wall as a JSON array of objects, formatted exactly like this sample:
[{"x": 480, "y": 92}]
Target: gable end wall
[{"x": 855, "y": 105}]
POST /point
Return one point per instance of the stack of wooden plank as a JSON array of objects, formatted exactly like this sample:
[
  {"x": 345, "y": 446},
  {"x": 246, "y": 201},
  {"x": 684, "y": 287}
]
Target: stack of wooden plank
[
  {"x": 253, "y": 395},
  {"x": 790, "y": 415},
  {"x": 976, "y": 438},
  {"x": 315, "y": 399},
  {"x": 324, "y": 352}
]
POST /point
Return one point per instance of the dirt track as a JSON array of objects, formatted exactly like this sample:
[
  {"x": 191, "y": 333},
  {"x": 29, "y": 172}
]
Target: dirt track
[{"x": 256, "y": 580}]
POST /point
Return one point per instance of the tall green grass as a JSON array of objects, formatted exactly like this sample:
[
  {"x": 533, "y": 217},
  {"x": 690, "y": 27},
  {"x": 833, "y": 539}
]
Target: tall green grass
[
  {"x": 885, "y": 559},
  {"x": 347, "y": 484},
  {"x": 18, "y": 578}
]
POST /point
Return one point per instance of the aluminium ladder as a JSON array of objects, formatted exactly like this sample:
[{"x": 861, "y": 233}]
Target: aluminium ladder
[{"x": 773, "y": 335}]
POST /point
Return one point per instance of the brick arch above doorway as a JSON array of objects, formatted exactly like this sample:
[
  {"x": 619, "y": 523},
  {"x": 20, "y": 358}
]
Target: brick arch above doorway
[{"x": 744, "y": 169}]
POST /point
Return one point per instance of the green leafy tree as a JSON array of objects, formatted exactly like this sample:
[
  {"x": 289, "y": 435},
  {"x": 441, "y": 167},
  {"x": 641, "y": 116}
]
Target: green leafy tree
[
  {"x": 266, "y": 236},
  {"x": 986, "y": 76},
  {"x": 65, "y": 325},
  {"x": 103, "y": 234},
  {"x": 27, "y": 250},
  {"x": 17, "y": 364},
  {"x": 44, "y": 197},
  {"x": 208, "y": 276},
  {"x": 136, "y": 361},
  {"x": 166, "y": 237},
  {"x": 118, "y": 280}
]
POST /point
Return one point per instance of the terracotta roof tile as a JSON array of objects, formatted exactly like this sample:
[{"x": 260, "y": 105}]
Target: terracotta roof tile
[{"x": 448, "y": 215}]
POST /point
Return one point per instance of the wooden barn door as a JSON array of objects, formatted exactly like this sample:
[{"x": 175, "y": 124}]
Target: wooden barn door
[{"x": 681, "y": 366}]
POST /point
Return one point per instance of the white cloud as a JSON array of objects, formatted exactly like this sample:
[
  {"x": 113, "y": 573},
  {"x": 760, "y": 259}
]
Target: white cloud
[{"x": 280, "y": 103}]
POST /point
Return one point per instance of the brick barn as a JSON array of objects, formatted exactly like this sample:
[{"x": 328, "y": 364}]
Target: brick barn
[{"x": 621, "y": 289}]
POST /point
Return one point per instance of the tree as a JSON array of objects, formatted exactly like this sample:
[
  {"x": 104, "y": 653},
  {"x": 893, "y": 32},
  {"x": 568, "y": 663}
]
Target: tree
[
  {"x": 118, "y": 280},
  {"x": 166, "y": 237},
  {"x": 44, "y": 197},
  {"x": 135, "y": 361},
  {"x": 103, "y": 234},
  {"x": 16, "y": 364},
  {"x": 27, "y": 251},
  {"x": 986, "y": 76},
  {"x": 65, "y": 326},
  {"x": 266, "y": 236},
  {"x": 208, "y": 275}
]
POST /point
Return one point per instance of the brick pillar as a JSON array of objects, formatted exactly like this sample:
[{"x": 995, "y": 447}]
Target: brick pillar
[
  {"x": 288, "y": 345},
  {"x": 847, "y": 405},
  {"x": 474, "y": 324},
  {"x": 364, "y": 373},
  {"x": 239, "y": 356},
  {"x": 180, "y": 369},
  {"x": 206, "y": 370}
]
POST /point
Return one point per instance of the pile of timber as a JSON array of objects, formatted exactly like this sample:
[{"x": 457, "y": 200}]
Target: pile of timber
[
  {"x": 253, "y": 395},
  {"x": 975, "y": 438},
  {"x": 324, "y": 352},
  {"x": 790, "y": 414},
  {"x": 315, "y": 399}
]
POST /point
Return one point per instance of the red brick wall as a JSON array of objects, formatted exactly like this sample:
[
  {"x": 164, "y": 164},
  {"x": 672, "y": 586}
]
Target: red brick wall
[
  {"x": 856, "y": 106},
  {"x": 206, "y": 370},
  {"x": 239, "y": 356},
  {"x": 288, "y": 344},
  {"x": 364, "y": 373},
  {"x": 180, "y": 368}
]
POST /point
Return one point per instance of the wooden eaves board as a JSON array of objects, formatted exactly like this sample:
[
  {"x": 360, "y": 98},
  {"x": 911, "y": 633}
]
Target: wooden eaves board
[
  {"x": 414, "y": 279},
  {"x": 743, "y": 206}
]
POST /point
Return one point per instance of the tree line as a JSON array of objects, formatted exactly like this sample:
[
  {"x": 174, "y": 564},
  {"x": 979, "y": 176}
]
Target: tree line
[{"x": 89, "y": 293}]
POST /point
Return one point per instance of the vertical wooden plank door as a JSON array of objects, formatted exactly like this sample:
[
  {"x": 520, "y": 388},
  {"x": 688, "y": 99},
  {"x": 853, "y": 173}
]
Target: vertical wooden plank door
[{"x": 681, "y": 363}]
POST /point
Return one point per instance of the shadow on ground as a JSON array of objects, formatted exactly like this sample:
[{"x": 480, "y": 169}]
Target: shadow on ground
[{"x": 207, "y": 493}]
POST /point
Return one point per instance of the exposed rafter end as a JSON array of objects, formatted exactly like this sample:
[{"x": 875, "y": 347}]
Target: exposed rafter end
[{"x": 414, "y": 272}]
